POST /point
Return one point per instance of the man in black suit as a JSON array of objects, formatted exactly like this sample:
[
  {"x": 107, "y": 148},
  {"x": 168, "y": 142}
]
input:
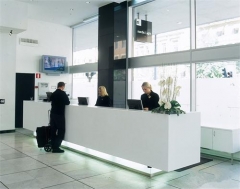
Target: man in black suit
[{"x": 57, "y": 122}]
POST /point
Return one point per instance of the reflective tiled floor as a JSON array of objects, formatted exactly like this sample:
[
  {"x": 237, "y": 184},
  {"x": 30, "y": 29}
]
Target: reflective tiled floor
[{"x": 23, "y": 165}]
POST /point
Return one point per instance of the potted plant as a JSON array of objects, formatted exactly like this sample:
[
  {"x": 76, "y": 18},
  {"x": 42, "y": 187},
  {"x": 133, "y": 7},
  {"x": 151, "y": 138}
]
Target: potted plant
[{"x": 168, "y": 93}]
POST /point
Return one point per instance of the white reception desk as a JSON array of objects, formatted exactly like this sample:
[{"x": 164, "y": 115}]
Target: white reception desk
[{"x": 165, "y": 142}]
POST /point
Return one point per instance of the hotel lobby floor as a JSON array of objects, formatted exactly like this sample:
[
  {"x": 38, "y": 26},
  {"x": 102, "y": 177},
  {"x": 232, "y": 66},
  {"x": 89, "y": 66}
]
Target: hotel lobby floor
[{"x": 24, "y": 165}]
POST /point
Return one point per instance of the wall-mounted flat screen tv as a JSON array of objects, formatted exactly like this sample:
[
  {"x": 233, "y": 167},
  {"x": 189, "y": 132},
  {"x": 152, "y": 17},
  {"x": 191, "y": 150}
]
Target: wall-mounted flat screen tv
[{"x": 53, "y": 64}]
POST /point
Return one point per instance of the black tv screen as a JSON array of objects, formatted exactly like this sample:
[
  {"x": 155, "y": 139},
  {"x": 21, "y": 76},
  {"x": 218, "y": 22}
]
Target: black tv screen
[{"x": 53, "y": 64}]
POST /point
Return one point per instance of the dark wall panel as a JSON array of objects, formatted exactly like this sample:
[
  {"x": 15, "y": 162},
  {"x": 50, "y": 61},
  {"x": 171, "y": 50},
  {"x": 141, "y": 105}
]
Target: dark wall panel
[
  {"x": 112, "y": 28},
  {"x": 106, "y": 19},
  {"x": 105, "y": 52}
]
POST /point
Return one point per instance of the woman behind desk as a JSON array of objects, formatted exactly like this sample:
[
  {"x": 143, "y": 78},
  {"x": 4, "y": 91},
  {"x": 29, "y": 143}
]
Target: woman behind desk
[
  {"x": 103, "y": 98},
  {"x": 149, "y": 98}
]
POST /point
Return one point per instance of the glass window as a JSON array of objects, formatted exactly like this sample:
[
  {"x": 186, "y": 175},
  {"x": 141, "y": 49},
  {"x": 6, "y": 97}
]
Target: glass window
[
  {"x": 173, "y": 41},
  {"x": 170, "y": 27},
  {"x": 85, "y": 85},
  {"x": 116, "y": 45},
  {"x": 123, "y": 43},
  {"x": 218, "y": 22},
  {"x": 144, "y": 49},
  {"x": 218, "y": 93},
  {"x": 85, "y": 44},
  {"x": 154, "y": 74},
  {"x": 123, "y": 56},
  {"x": 120, "y": 49}
]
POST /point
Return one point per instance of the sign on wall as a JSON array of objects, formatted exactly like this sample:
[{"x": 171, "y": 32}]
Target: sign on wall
[
  {"x": 143, "y": 31},
  {"x": 42, "y": 89}
]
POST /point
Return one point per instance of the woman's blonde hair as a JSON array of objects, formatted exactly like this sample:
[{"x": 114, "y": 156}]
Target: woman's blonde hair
[
  {"x": 146, "y": 84},
  {"x": 103, "y": 91}
]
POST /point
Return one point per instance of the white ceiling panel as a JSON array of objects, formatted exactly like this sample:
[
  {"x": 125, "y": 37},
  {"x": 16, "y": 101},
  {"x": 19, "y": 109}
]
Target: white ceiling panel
[
  {"x": 165, "y": 14},
  {"x": 64, "y": 12}
]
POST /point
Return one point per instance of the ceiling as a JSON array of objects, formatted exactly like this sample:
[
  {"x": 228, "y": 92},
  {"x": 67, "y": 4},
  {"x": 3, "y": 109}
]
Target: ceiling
[
  {"x": 64, "y": 12},
  {"x": 165, "y": 14}
]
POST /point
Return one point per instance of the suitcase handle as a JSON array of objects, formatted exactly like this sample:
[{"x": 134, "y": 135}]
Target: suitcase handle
[{"x": 49, "y": 111}]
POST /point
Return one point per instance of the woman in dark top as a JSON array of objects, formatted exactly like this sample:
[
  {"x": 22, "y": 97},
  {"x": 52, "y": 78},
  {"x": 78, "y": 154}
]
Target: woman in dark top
[
  {"x": 103, "y": 98},
  {"x": 149, "y": 98}
]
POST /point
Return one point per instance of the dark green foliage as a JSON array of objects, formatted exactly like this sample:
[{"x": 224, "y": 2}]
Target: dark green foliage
[{"x": 175, "y": 109}]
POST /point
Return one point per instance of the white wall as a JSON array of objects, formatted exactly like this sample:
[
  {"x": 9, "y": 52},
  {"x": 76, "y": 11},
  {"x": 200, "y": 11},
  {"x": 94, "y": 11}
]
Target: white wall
[
  {"x": 7, "y": 81},
  {"x": 13, "y": 16},
  {"x": 53, "y": 40}
]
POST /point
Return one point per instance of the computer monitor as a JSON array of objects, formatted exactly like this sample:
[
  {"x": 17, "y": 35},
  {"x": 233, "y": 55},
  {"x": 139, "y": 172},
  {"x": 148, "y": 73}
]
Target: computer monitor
[
  {"x": 134, "y": 104},
  {"x": 82, "y": 100},
  {"x": 48, "y": 96}
]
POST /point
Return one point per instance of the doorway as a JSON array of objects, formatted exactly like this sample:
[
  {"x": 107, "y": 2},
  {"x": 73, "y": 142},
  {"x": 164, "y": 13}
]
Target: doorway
[{"x": 24, "y": 91}]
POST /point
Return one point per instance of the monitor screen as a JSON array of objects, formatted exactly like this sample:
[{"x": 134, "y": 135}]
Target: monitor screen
[
  {"x": 134, "y": 104},
  {"x": 54, "y": 64},
  {"x": 48, "y": 96},
  {"x": 82, "y": 100}
]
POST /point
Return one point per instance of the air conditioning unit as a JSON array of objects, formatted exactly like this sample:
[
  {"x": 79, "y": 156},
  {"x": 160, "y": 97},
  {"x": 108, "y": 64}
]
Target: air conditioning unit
[{"x": 28, "y": 42}]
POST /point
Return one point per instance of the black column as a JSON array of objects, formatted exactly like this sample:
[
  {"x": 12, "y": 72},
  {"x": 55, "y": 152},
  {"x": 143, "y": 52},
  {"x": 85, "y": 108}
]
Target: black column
[
  {"x": 112, "y": 28},
  {"x": 105, "y": 47}
]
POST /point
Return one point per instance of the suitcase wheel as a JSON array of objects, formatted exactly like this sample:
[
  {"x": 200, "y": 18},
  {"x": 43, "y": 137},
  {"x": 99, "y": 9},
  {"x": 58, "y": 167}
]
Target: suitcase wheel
[{"x": 48, "y": 148}]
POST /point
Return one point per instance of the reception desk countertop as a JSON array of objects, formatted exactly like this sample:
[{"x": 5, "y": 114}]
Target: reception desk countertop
[{"x": 165, "y": 142}]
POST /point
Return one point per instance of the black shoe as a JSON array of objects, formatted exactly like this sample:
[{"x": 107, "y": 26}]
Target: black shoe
[{"x": 57, "y": 151}]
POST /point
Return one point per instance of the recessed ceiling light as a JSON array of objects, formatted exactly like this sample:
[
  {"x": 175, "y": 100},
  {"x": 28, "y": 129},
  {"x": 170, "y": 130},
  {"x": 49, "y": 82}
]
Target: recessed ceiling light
[
  {"x": 179, "y": 22},
  {"x": 71, "y": 9},
  {"x": 87, "y": 2}
]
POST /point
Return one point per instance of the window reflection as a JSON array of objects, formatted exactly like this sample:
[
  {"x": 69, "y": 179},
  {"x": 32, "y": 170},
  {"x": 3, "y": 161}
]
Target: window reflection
[
  {"x": 154, "y": 74},
  {"x": 85, "y": 56},
  {"x": 170, "y": 27},
  {"x": 143, "y": 49},
  {"x": 218, "y": 95},
  {"x": 120, "y": 49},
  {"x": 85, "y": 85},
  {"x": 218, "y": 33},
  {"x": 218, "y": 22},
  {"x": 85, "y": 44}
]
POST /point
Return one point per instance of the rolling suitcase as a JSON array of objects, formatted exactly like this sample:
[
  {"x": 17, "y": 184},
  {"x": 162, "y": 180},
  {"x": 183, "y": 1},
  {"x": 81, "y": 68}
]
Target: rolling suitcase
[{"x": 44, "y": 136}]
